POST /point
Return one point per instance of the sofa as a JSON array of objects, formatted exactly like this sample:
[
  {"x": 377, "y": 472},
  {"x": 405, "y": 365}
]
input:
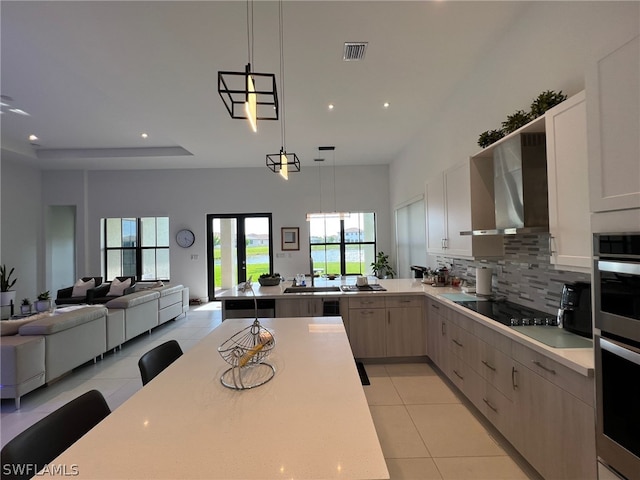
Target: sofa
[
  {"x": 47, "y": 346},
  {"x": 65, "y": 295},
  {"x": 37, "y": 350}
]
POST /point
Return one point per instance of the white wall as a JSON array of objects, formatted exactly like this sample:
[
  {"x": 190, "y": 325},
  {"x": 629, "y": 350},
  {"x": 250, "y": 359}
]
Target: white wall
[
  {"x": 21, "y": 207},
  {"x": 187, "y": 196},
  {"x": 549, "y": 48}
]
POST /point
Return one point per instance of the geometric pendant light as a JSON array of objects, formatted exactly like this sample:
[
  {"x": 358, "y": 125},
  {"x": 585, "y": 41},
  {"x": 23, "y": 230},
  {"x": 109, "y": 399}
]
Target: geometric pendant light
[
  {"x": 249, "y": 95},
  {"x": 282, "y": 162}
]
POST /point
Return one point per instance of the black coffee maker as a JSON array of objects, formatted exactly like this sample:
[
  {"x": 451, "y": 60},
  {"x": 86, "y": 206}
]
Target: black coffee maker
[{"x": 574, "y": 314}]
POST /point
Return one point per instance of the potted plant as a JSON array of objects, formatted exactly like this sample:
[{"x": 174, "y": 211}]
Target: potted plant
[
  {"x": 545, "y": 101},
  {"x": 489, "y": 137},
  {"x": 25, "y": 308},
  {"x": 381, "y": 267},
  {"x": 515, "y": 121},
  {"x": 43, "y": 303},
  {"x": 8, "y": 296}
]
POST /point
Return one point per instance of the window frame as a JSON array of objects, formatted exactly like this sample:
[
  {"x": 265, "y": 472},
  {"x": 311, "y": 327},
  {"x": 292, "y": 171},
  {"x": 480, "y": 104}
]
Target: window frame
[
  {"x": 343, "y": 244},
  {"x": 137, "y": 248}
]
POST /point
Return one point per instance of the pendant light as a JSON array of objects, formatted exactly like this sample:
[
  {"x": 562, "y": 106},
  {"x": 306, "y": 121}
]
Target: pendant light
[
  {"x": 249, "y": 95},
  {"x": 335, "y": 213},
  {"x": 283, "y": 162}
]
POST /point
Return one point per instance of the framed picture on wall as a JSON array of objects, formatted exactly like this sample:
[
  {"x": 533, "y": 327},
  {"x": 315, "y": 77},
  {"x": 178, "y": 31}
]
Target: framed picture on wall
[{"x": 290, "y": 238}]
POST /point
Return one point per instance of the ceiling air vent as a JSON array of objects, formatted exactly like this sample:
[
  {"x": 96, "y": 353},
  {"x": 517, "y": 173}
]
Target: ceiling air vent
[{"x": 354, "y": 51}]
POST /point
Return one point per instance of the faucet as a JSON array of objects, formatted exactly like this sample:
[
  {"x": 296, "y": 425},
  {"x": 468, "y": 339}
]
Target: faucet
[{"x": 311, "y": 267}]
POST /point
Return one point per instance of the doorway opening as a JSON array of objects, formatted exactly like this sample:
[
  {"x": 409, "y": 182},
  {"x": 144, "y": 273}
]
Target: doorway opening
[{"x": 239, "y": 246}]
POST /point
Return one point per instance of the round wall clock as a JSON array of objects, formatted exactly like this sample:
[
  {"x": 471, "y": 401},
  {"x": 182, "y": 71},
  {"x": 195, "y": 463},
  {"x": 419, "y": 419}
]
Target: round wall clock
[{"x": 185, "y": 238}]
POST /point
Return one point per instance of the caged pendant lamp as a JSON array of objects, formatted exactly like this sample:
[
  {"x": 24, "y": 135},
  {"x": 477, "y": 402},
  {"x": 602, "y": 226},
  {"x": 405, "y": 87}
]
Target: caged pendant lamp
[
  {"x": 283, "y": 162},
  {"x": 249, "y": 95}
]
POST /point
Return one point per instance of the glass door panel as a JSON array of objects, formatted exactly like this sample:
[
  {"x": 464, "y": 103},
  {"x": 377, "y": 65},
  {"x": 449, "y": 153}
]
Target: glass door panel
[{"x": 239, "y": 247}]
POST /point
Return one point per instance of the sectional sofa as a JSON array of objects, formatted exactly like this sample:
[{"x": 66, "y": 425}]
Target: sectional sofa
[{"x": 37, "y": 350}]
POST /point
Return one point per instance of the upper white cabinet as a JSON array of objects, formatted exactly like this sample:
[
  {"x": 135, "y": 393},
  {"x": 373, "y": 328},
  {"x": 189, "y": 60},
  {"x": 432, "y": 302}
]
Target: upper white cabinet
[
  {"x": 569, "y": 222},
  {"x": 613, "y": 120},
  {"x": 461, "y": 199}
]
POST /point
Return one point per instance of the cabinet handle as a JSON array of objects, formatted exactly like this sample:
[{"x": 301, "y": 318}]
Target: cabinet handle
[
  {"x": 457, "y": 343},
  {"x": 404, "y": 301},
  {"x": 389, "y": 318},
  {"x": 489, "y": 405},
  {"x": 514, "y": 383},
  {"x": 443, "y": 329},
  {"x": 538, "y": 364},
  {"x": 551, "y": 250},
  {"x": 435, "y": 306},
  {"x": 488, "y": 365},
  {"x": 458, "y": 375}
]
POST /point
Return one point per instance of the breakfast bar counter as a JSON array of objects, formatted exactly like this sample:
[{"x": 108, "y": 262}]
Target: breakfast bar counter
[{"x": 310, "y": 421}]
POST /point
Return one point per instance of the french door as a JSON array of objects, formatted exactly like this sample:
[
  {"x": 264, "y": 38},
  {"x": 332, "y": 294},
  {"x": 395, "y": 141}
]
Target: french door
[{"x": 239, "y": 246}]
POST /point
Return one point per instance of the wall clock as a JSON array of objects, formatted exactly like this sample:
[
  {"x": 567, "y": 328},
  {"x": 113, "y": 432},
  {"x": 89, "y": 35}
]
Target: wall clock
[{"x": 185, "y": 238}]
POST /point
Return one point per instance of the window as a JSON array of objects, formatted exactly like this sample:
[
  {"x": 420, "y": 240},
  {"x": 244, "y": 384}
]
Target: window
[
  {"x": 345, "y": 247},
  {"x": 136, "y": 246}
]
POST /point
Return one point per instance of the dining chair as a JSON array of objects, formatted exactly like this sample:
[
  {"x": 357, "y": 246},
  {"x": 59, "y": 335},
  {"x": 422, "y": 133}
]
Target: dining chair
[
  {"x": 157, "y": 359},
  {"x": 30, "y": 451}
]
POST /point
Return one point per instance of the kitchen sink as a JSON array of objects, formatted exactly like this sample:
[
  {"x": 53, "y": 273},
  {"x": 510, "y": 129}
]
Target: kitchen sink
[{"x": 311, "y": 289}]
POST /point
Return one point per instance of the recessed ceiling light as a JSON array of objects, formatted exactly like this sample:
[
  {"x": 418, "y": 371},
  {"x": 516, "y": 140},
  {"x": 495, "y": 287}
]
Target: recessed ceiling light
[
  {"x": 144, "y": 135},
  {"x": 385, "y": 104},
  {"x": 331, "y": 106},
  {"x": 33, "y": 138}
]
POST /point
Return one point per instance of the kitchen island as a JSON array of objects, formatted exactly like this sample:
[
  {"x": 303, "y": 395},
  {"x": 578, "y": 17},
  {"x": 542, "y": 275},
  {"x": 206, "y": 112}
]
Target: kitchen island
[{"x": 310, "y": 421}]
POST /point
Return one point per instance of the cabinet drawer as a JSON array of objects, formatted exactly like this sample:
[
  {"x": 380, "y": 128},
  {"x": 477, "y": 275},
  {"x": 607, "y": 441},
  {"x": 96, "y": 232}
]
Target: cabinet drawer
[
  {"x": 356, "y": 314},
  {"x": 368, "y": 301},
  {"x": 495, "y": 367},
  {"x": 460, "y": 342},
  {"x": 497, "y": 408},
  {"x": 396, "y": 302},
  {"x": 458, "y": 372},
  {"x": 565, "y": 378}
]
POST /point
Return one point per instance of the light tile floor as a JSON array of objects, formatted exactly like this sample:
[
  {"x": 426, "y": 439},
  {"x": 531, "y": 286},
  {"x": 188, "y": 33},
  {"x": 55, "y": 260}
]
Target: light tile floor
[{"x": 425, "y": 430}]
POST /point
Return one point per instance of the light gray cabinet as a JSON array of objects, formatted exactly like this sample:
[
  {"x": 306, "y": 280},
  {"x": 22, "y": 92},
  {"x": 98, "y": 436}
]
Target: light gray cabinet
[
  {"x": 387, "y": 326},
  {"x": 542, "y": 407}
]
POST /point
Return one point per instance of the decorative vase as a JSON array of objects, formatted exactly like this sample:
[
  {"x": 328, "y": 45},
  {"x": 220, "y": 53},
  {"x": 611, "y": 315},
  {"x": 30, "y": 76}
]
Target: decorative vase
[
  {"x": 43, "y": 305},
  {"x": 25, "y": 309},
  {"x": 7, "y": 298}
]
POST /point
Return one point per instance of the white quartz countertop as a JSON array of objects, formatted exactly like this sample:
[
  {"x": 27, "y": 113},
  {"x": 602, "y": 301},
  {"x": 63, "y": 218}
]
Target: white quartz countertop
[
  {"x": 311, "y": 421},
  {"x": 577, "y": 359}
]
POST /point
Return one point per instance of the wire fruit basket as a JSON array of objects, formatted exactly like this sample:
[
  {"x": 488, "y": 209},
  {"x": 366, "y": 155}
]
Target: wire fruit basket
[{"x": 246, "y": 352}]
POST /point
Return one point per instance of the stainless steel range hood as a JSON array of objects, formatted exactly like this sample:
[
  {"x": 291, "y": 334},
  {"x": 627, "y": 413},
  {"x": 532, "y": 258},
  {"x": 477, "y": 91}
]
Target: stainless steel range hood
[{"x": 520, "y": 186}]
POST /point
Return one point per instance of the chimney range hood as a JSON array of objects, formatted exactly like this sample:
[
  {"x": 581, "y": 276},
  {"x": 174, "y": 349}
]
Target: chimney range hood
[{"x": 520, "y": 186}]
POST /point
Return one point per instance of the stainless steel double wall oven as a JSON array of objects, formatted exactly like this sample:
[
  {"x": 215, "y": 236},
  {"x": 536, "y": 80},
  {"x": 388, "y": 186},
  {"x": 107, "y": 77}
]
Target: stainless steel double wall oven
[{"x": 617, "y": 350}]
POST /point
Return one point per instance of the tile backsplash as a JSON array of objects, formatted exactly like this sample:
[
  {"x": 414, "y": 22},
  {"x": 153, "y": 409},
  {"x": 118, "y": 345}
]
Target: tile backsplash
[{"x": 524, "y": 275}]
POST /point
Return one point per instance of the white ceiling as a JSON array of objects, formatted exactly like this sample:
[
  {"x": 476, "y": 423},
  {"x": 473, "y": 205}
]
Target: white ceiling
[{"x": 95, "y": 75}]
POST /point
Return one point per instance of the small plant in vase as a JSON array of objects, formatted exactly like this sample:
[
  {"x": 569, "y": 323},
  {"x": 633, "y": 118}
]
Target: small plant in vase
[
  {"x": 8, "y": 296},
  {"x": 25, "y": 307},
  {"x": 381, "y": 267},
  {"x": 43, "y": 303}
]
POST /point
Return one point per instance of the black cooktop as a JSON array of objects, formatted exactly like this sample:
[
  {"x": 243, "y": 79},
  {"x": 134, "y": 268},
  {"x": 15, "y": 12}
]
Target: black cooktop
[{"x": 509, "y": 313}]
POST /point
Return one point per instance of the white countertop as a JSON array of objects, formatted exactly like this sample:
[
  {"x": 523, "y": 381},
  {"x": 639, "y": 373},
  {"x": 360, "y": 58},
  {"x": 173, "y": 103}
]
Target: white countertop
[
  {"x": 580, "y": 360},
  {"x": 311, "y": 421}
]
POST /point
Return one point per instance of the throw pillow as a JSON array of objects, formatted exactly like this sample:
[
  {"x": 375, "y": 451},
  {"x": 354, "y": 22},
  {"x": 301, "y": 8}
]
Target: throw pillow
[
  {"x": 117, "y": 287},
  {"x": 11, "y": 327},
  {"x": 80, "y": 287}
]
